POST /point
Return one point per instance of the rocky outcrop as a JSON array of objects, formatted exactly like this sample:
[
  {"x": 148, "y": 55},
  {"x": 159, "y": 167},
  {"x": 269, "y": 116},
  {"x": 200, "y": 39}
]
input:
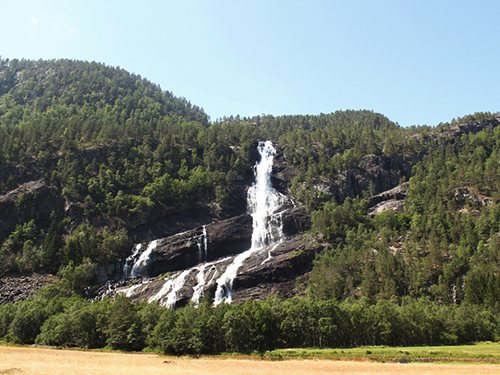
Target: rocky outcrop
[
  {"x": 283, "y": 268},
  {"x": 471, "y": 127},
  {"x": 13, "y": 289},
  {"x": 296, "y": 220},
  {"x": 457, "y": 131},
  {"x": 283, "y": 174},
  {"x": 187, "y": 249},
  {"x": 12, "y": 176},
  {"x": 286, "y": 271},
  {"x": 32, "y": 200},
  {"x": 373, "y": 174},
  {"x": 462, "y": 195},
  {"x": 392, "y": 199},
  {"x": 398, "y": 193},
  {"x": 212, "y": 241},
  {"x": 393, "y": 205}
]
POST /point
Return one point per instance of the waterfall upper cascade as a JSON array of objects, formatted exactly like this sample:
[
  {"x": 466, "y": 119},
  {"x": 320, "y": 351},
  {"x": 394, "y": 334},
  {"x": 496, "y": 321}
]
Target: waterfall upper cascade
[{"x": 265, "y": 205}]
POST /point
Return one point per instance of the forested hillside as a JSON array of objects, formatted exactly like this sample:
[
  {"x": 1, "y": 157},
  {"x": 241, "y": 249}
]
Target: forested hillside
[{"x": 94, "y": 159}]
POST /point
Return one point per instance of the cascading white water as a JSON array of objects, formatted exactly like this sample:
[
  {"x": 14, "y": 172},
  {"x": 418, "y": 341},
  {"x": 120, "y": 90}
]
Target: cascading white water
[
  {"x": 203, "y": 246},
  {"x": 177, "y": 285},
  {"x": 263, "y": 201},
  {"x": 200, "y": 285},
  {"x": 207, "y": 272},
  {"x": 129, "y": 262},
  {"x": 140, "y": 266},
  {"x": 205, "y": 242}
]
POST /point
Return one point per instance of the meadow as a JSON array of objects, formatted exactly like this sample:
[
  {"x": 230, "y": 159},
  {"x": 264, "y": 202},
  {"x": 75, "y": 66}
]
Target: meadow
[
  {"x": 45, "y": 361},
  {"x": 484, "y": 352}
]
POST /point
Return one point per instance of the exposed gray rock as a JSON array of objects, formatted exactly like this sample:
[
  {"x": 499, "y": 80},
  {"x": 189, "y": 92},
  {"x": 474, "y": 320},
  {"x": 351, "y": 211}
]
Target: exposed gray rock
[
  {"x": 392, "y": 199},
  {"x": 394, "y": 205},
  {"x": 398, "y": 193},
  {"x": 186, "y": 249},
  {"x": 223, "y": 238},
  {"x": 288, "y": 267},
  {"x": 31, "y": 200},
  {"x": 296, "y": 220},
  {"x": 464, "y": 194},
  {"x": 283, "y": 174},
  {"x": 284, "y": 267},
  {"x": 374, "y": 174},
  {"x": 13, "y": 289}
]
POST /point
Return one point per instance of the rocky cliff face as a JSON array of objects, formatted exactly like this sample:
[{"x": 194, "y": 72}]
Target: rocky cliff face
[
  {"x": 280, "y": 268},
  {"x": 31, "y": 200},
  {"x": 187, "y": 249},
  {"x": 373, "y": 174},
  {"x": 392, "y": 199},
  {"x": 205, "y": 244}
]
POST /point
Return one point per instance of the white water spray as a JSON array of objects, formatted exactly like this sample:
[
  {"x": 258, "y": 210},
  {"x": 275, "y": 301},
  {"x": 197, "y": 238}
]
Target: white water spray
[
  {"x": 263, "y": 201},
  {"x": 140, "y": 266},
  {"x": 129, "y": 262},
  {"x": 200, "y": 285},
  {"x": 205, "y": 242},
  {"x": 206, "y": 275},
  {"x": 203, "y": 246}
]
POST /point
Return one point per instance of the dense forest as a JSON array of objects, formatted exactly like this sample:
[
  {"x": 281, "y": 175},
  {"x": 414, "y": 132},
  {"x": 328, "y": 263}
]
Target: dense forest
[{"x": 117, "y": 149}]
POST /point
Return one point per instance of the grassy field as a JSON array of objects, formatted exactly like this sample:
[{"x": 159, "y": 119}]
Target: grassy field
[
  {"x": 486, "y": 352},
  {"x": 41, "y": 361}
]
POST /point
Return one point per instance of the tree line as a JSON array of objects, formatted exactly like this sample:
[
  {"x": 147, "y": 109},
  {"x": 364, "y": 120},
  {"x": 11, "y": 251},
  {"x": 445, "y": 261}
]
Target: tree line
[{"x": 59, "y": 316}]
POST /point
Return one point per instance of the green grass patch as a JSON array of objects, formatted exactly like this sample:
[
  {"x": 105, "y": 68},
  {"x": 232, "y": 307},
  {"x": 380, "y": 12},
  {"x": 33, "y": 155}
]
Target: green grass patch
[{"x": 484, "y": 352}]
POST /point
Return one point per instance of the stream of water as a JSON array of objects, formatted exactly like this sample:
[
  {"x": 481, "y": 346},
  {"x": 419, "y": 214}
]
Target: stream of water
[{"x": 263, "y": 203}]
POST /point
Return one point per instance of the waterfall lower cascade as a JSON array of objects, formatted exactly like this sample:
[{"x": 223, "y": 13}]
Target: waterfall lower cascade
[
  {"x": 264, "y": 205},
  {"x": 137, "y": 263}
]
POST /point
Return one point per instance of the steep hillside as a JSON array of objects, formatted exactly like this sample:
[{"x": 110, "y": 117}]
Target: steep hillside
[
  {"x": 106, "y": 156},
  {"x": 94, "y": 160}
]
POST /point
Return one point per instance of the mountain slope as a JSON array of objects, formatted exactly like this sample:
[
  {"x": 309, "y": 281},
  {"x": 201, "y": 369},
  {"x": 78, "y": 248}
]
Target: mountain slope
[{"x": 94, "y": 159}]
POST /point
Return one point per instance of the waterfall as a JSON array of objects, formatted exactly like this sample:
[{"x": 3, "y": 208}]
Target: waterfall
[
  {"x": 200, "y": 286},
  {"x": 207, "y": 270},
  {"x": 205, "y": 242},
  {"x": 177, "y": 285},
  {"x": 203, "y": 246},
  {"x": 139, "y": 267},
  {"x": 129, "y": 262},
  {"x": 265, "y": 205},
  {"x": 168, "y": 293},
  {"x": 263, "y": 201}
]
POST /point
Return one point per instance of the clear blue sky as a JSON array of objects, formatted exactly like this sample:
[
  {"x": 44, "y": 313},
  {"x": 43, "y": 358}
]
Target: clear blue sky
[{"x": 417, "y": 62}]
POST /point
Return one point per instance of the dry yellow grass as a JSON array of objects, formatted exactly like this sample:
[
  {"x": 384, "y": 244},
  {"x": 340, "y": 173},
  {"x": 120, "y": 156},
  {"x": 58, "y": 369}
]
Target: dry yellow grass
[{"x": 58, "y": 362}]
